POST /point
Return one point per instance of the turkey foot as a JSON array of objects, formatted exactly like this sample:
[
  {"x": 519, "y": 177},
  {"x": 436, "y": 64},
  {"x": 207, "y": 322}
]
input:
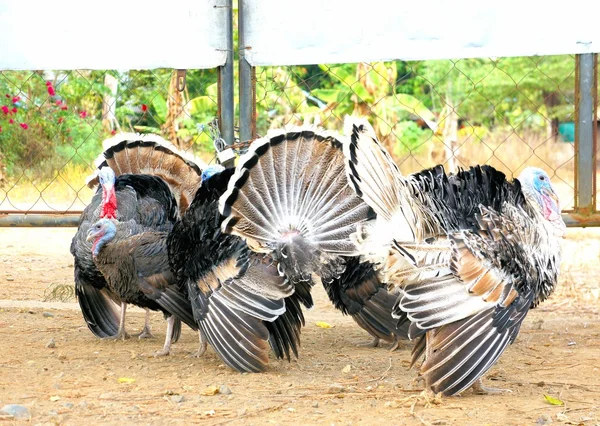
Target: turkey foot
[
  {"x": 166, "y": 349},
  {"x": 372, "y": 344},
  {"x": 395, "y": 345},
  {"x": 480, "y": 389},
  {"x": 121, "y": 335},
  {"x": 201, "y": 349},
  {"x": 146, "y": 332}
]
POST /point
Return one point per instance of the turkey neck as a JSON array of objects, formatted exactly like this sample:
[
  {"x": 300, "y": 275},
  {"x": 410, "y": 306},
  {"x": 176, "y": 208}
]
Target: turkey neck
[{"x": 109, "y": 202}]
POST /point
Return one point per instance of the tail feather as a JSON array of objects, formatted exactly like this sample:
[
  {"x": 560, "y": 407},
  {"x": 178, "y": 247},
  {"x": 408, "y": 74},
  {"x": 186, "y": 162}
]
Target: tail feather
[
  {"x": 130, "y": 153},
  {"x": 370, "y": 169},
  {"x": 99, "y": 310},
  {"x": 284, "y": 332},
  {"x": 176, "y": 331},
  {"x": 377, "y": 180},
  {"x": 289, "y": 196}
]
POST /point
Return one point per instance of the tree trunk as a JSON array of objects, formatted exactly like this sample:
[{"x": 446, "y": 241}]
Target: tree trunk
[
  {"x": 550, "y": 101},
  {"x": 175, "y": 104}
]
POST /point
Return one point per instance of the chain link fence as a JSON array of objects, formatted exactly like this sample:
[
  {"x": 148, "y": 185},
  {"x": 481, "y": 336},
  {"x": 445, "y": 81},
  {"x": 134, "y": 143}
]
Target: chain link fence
[
  {"x": 507, "y": 112},
  {"x": 52, "y": 124}
]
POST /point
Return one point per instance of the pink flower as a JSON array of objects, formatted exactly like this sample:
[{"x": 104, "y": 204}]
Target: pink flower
[
  {"x": 14, "y": 110},
  {"x": 11, "y": 121},
  {"x": 144, "y": 107},
  {"x": 24, "y": 126},
  {"x": 64, "y": 107},
  {"x": 4, "y": 109},
  {"x": 114, "y": 132},
  {"x": 58, "y": 102},
  {"x": 51, "y": 91},
  {"x": 48, "y": 83},
  {"x": 0, "y": 128},
  {"x": 16, "y": 99},
  {"x": 83, "y": 114}
]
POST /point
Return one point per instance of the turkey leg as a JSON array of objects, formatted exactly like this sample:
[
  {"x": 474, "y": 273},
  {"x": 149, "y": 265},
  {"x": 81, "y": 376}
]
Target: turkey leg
[
  {"x": 146, "y": 332},
  {"x": 166, "y": 350},
  {"x": 121, "y": 334}
]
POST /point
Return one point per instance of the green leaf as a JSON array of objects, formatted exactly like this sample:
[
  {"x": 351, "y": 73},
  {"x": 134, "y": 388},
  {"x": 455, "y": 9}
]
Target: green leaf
[
  {"x": 200, "y": 105},
  {"x": 213, "y": 91},
  {"x": 327, "y": 95},
  {"x": 160, "y": 106},
  {"x": 553, "y": 401},
  {"x": 413, "y": 105}
]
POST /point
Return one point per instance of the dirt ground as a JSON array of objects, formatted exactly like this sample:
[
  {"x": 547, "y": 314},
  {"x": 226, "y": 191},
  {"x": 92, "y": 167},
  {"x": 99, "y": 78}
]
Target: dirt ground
[{"x": 87, "y": 380}]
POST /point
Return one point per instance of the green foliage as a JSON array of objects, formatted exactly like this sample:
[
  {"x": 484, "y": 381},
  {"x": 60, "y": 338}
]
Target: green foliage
[
  {"x": 519, "y": 91},
  {"x": 411, "y": 138},
  {"x": 51, "y": 120}
]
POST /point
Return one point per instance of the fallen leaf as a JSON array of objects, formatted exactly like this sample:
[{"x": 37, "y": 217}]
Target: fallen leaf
[
  {"x": 323, "y": 324},
  {"x": 209, "y": 391},
  {"x": 125, "y": 380},
  {"x": 553, "y": 401},
  {"x": 55, "y": 398},
  {"x": 346, "y": 369}
]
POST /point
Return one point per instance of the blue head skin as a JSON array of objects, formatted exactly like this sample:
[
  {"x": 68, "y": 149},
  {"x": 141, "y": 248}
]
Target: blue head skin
[
  {"x": 101, "y": 233},
  {"x": 538, "y": 189},
  {"x": 211, "y": 171},
  {"x": 106, "y": 176}
]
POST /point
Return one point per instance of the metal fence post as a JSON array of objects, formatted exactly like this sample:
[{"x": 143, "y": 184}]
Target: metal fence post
[
  {"x": 585, "y": 155},
  {"x": 226, "y": 101},
  {"x": 247, "y": 100}
]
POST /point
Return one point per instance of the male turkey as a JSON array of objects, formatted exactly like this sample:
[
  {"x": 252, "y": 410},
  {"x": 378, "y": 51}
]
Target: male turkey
[
  {"x": 290, "y": 201},
  {"x": 154, "y": 182},
  {"x": 240, "y": 302},
  {"x": 470, "y": 254}
]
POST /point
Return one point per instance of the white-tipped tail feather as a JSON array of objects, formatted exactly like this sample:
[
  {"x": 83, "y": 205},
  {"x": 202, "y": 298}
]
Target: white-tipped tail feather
[
  {"x": 132, "y": 153},
  {"x": 375, "y": 178}
]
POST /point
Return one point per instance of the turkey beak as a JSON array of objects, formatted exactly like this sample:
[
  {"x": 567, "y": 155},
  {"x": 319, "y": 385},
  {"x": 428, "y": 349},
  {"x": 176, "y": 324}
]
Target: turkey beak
[
  {"x": 90, "y": 235},
  {"x": 552, "y": 195}
]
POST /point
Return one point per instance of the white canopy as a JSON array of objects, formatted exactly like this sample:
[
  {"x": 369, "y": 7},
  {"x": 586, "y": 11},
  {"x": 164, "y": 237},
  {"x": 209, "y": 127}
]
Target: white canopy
[{"x": 111, "y": 34}]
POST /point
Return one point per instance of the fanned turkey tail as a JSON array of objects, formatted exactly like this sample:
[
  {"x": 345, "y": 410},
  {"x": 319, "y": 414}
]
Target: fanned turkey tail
[
  {"x": 131, "y": 153},
  {"x": 289, "y": 197}
]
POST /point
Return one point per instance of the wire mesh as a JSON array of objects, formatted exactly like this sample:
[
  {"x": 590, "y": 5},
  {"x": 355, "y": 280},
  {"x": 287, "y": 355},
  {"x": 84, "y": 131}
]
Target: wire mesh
[
  {"x": 52, "y": 124},
  {"x": 507, "y": 112}
]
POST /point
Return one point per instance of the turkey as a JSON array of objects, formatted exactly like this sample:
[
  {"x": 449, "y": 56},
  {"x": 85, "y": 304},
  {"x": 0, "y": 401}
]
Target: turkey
[
  {"x": 469, "y": 253},
  {"x": 358, "y": 292},
  {"x": 240, "y": 302},
  {"x": 134, "y": 261},
  {"x": 290, "y": 201},
  {"x": 142, "y": 164}
]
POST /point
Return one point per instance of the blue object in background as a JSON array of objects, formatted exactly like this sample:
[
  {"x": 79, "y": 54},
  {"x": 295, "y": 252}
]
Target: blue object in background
[{"x": 567, "y": 131}]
